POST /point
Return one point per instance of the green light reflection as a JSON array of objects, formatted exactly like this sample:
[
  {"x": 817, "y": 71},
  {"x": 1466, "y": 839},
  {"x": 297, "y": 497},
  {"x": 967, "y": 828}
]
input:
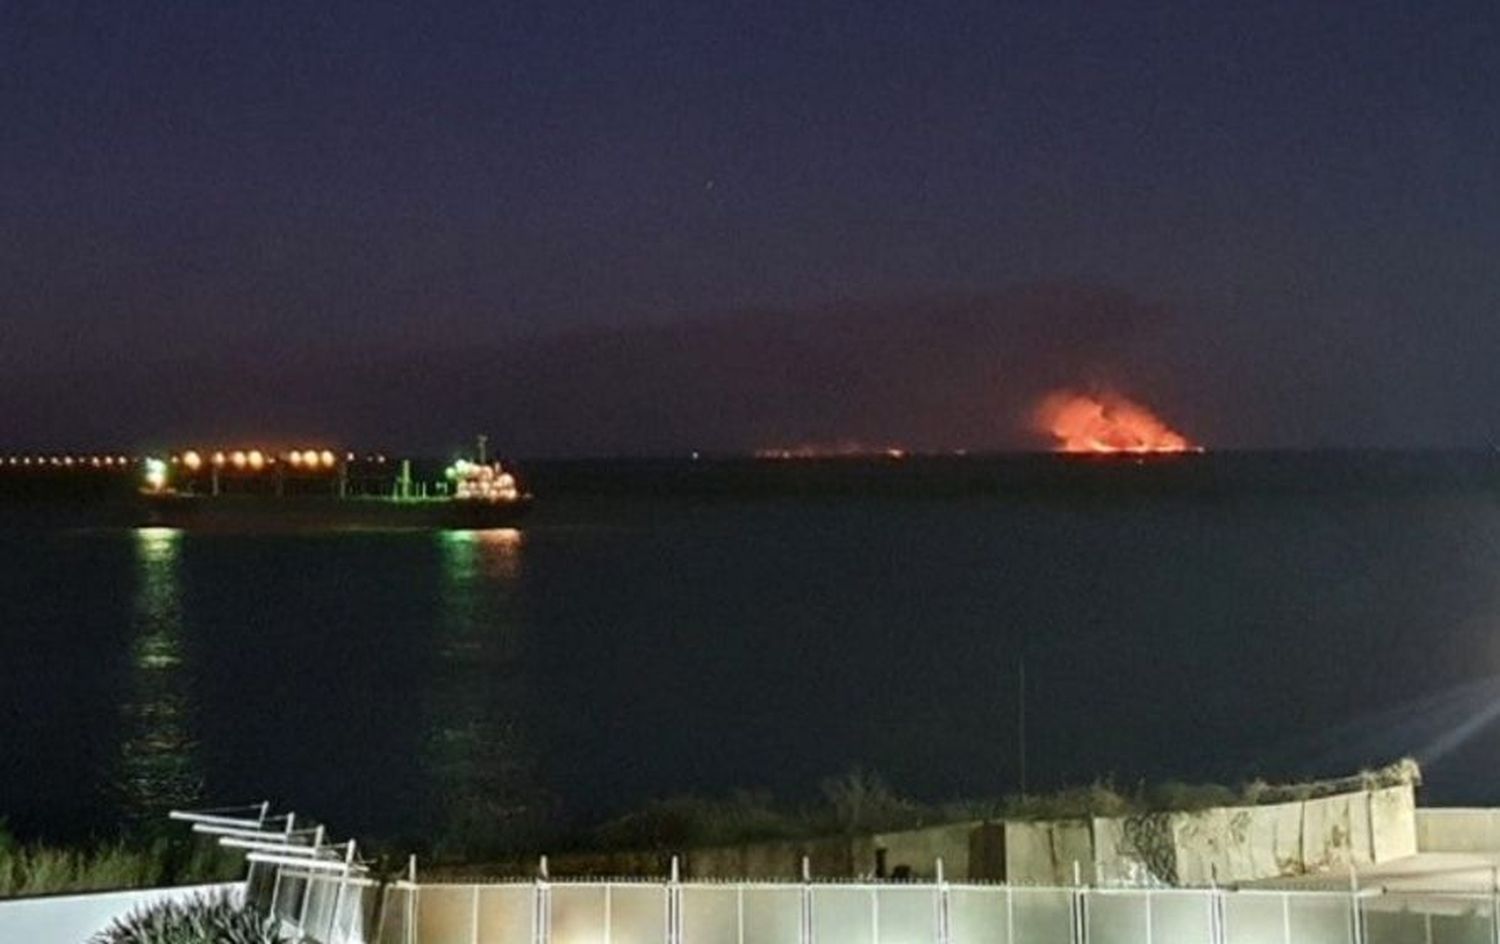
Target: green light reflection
[{"x": 157, "y": 768}]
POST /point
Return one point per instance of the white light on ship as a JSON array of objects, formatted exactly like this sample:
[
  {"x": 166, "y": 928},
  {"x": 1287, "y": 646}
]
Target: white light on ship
[
  {"x": 218, "y": 458},
  {"x": 256, "y": 459},
  {"x": 327, "y": 458},
  {"x": 310, "y": 457},
  {"x": 192, "y": 460},
  {"x": 237, "y": 459}
]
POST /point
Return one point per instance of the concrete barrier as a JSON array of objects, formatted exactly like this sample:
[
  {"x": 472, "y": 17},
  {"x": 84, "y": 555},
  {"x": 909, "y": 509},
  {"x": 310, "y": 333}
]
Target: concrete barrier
[
  {"x": 1457, "y": 829},
  {"x": 73, "y": 919},
  {"x": 1224, "y": 845}
]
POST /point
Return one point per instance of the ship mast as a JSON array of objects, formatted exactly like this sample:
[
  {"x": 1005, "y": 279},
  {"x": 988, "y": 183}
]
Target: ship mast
[{"x": 480, "y": 442}]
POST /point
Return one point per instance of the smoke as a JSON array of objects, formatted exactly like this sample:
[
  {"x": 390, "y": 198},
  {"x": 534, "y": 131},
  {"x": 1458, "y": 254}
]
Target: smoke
[{"x": 1105, "y": 424}]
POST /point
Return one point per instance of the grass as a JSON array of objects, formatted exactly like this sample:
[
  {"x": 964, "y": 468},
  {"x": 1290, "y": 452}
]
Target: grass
[{"x": 31, "y": 869}]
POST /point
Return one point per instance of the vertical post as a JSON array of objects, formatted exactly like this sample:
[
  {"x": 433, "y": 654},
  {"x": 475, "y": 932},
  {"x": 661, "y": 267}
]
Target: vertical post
[
  {"x": 807, "y": 902},
  {"x": 338, "y": 892},
  {"x": 945, "y": 915},
  {"x": 411, "y": 900},
  {"x": 1286, "y": 918},
  {"x": 739, "y": 906},
  {"x": 1495, "y": 904},
  {"x": 1010, "y": 914},
  {"x": 674, "y": 903},
  {"x": 542, "y": 904},
  {"x": 474, "y": 918},
  {"x": 1080, "y": 920},
  {"x": 291, "y": 819},
  {"x": 307, "y": 887},
  {"x": 874, "y": 915},
  {"x": 1356, "y": 915},
  {"x": 609, "y": 908},
  {"x": 1215, "y": 912},
  {"x": 1149, "y": 894}
]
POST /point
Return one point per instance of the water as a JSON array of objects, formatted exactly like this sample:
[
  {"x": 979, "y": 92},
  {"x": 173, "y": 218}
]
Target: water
[{"x": 479, "y": 686}]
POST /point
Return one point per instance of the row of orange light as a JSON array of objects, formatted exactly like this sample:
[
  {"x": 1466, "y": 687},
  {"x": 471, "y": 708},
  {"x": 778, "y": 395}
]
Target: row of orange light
[
  {"x": 96, "y": 462},
  {"x": 255, "y": 460}
]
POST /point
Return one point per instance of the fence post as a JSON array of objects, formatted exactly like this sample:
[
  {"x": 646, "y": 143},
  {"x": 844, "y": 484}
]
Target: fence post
[
  {"x": 474, "y": 918},
  {"x": 1495, "y": 905},
  {"x": 1010, "y": 914},
  {"x": 291, "y": 818},
  {"x": 338, "y": 892},
  {"x": 674, "y": 903},
  {"x": 411, "y": 900},
  {"x": 1080, "y": 906},
  {"x": 807, "y": 902},
  {"x": 307, "y": 888},
  {"x": 541, "y": 905},
  {"x": 1355, "y": 912},
  {"x": 1286, "y": 918},
  {"x": 1216, "y": 933},
  {"x": 945, "y": 925},
  {"x": 1149, "y": 933},
  {"x": 739, "y": 906}
]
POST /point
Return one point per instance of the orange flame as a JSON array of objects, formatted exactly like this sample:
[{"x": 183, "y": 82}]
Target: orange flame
[{"x": 1084, "y": 423}]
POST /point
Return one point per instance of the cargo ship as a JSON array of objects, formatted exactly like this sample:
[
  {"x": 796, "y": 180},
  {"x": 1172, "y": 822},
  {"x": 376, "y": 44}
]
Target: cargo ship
[{"x": 253, "y": 489}]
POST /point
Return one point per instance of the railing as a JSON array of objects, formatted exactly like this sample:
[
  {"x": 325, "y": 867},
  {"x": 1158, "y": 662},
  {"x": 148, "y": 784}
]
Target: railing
[
  {"x": 322, "y": 894},
  {"x": 623, "y": 912}
]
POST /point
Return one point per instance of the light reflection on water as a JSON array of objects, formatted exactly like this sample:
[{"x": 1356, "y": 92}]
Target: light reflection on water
[
  {"x": 481, "y": 783},
  {"x": 157, "y": 767}
]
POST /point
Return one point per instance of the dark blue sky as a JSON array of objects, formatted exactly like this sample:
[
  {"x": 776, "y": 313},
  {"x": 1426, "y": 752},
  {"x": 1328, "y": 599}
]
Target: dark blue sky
[{"x": 1307, "y": 192}]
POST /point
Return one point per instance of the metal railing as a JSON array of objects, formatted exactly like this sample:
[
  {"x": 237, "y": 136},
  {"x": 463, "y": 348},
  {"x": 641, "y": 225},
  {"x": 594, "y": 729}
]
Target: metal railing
[
  {"x": 321, "y": 893},
  {"x": 545, "y": 912}
]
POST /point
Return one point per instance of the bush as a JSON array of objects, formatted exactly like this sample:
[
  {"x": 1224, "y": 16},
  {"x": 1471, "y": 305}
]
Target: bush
[
  {"x": 45, "y": 870},
  {"x": 215, "y": 920}
]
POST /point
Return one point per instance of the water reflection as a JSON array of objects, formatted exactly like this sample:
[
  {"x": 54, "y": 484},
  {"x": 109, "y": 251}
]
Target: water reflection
[
  {"x": 478, "y": 766},
  {"x": 157, "y": 767}
]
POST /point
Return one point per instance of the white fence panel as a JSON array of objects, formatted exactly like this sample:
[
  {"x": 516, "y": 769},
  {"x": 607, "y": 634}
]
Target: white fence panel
[
  {"x": 711, "y": 914},
  {"x": 578, "y": 914},
  {"x": 1119, "y": 918},
  {"x": 1182, "y": 917},
  {"x": 1042, "y": 915},
  {"x": 907, "y": 915},
  {"x": 1321, "y": 918},
  {"x": 445, "y": 914},
  {"x": 1256, "y": 918},
  {"x": 773, "y": 915},
  {"x": 843, "y": 915},
  {"x": 980, "y": 915},
  {"x": 637, "y": 914},
  {"x": 507, "y": 914}
]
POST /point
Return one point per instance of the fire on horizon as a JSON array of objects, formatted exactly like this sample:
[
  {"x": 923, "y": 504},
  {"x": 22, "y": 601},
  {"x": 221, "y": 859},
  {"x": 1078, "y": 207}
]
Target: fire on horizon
[{"x": 1109, "y": 423}]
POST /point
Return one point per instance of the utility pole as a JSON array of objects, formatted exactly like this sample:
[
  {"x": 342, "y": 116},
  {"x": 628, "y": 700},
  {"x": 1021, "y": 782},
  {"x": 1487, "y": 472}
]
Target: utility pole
[{"x": 482, "y": 440}]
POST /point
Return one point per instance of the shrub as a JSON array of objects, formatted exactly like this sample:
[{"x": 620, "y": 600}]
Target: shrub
[{"x": 207, "y": 920}]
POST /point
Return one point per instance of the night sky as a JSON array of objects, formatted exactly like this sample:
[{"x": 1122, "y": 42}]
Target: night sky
[{"x": 650, "y": 227}]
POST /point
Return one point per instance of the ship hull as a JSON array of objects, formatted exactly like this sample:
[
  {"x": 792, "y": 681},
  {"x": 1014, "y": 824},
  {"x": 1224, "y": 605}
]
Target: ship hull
[{"x": 267, "y": 513}]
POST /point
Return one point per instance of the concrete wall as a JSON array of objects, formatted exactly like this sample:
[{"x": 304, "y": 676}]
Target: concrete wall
[
  {"x": 1046, "y": 853},
  {"x": 1458, "y": 829},
  {"x": 71, "y": 919},
  {"x": 1224, "y": 845}
]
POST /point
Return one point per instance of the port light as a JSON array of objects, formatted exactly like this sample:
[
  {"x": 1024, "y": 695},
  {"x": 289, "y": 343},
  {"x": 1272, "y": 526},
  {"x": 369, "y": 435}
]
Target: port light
[
  {"x": 156, "y": 474},
  {"x": 192, "y": 460}
]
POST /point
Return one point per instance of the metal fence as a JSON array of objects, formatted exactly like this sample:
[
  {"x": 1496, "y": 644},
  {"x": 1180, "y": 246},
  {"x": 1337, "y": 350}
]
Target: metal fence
[{"x": 339, "y": 911}]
